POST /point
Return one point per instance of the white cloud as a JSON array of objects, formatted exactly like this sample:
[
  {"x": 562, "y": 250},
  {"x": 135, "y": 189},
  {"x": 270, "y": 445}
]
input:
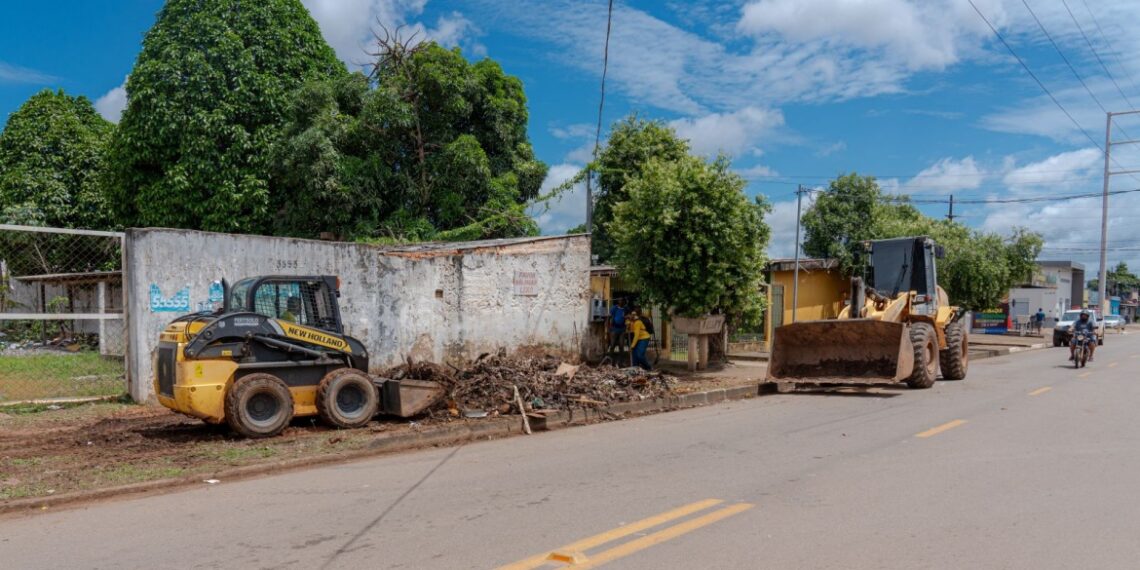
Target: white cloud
[
  {"x": 566, "y": 211},
  {"x": 731, "y": 133},
  {"x": 782, "y": 221},
  {"x": 831, "y": 149},
  {"x": 757, "y": 171},
  {"x": 930, "y": 34},
  {"x": 15, "y": 74},
  {"x": 945, "y": 176},
  {"x": 1071, "y": 227},
  {"x": 112, "y": 103},
  {"x": 1065, "y": 170},
  {"x": 348, "y": 25}
]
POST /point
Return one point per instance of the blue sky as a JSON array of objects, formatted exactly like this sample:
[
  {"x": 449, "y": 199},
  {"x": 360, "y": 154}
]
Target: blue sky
[{"x": 918, "y": 93}]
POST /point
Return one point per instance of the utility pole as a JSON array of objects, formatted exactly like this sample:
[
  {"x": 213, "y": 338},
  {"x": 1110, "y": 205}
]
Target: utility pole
[
  {"x": 796, "y": 271},
  {"x": 1102, "y": 277},
  {"x": 951, "y": 216}
]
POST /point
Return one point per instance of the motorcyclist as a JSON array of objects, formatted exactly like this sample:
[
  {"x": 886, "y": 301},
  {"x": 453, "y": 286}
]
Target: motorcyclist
[{"x": 1085, "y": 325}]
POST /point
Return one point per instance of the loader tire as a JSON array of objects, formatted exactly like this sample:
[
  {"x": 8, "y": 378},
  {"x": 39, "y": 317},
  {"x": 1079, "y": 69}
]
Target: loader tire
[
  {"x": 259, "y": 405},
  {"x": 925, "y": 356},
  {"x": 347, "y": 398},
  {"x": 955, "y": 360}
]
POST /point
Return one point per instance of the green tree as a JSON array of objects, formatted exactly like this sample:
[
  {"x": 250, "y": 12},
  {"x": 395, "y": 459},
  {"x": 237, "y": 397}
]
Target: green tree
[
  {"x": 51, "y": 154},
  {"x": 633, "y": 142},
  {"x": 842, "y": 218},
  {"x": 430, "y": 147},
  {"x": 690, "y": 239},
  {"x": 206, "y": 101},
  {"x": 978, "y": 270}
]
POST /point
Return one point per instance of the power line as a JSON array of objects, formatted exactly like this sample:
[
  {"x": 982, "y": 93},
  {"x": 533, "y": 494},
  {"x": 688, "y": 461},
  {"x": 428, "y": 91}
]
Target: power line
[
  {"x": 1115, "y": 55},
  {"x": 598, "y": 132},
  {"x": 1034, "y": 76},
  {"x": 1062, "y": 54},
  {"x": 1094, "y": 52},
  {"x": 908, "y": 200}
]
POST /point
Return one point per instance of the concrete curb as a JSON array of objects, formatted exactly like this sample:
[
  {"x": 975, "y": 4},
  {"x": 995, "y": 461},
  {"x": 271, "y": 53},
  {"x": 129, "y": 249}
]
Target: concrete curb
[{"x": 432, "y": 436}]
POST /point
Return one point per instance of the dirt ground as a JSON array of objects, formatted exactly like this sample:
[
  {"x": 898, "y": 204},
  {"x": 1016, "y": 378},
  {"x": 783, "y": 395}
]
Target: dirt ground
[{"x": 53, "y": 451}]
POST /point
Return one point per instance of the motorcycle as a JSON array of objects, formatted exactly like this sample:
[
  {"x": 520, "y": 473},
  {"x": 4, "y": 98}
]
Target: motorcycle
[{"x": 1081, "y": 350}]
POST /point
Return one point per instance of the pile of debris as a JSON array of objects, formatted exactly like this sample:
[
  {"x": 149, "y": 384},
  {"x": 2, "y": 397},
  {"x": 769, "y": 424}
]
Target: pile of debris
[{"x": 487, "y": 387}]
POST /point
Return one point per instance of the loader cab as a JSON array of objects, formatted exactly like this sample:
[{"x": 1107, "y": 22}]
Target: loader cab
[
  {"x": 308, "y": 301},
  {"x": 905, "y": 264}
]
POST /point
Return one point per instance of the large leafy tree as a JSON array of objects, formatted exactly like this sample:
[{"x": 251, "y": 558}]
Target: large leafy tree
[
  {"x": 632, "y": 144},
  {"x": 979, "y": 267},
  {"x": 206, "y": 102},
  {"x": 690, "y": 239},
  {"x": 51, "y": 154},
  {"x": 431, "y": 146}
]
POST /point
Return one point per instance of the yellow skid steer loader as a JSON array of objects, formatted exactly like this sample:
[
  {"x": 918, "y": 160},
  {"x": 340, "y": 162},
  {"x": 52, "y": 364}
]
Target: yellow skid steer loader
[
  {"x": 901, "y": 328},
  {"x": 274, "y": 351}
]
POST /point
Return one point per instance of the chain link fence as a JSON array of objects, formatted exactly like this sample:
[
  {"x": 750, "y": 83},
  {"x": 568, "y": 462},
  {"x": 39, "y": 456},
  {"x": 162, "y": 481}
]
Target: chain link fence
[{"x": 62, "y": 328}]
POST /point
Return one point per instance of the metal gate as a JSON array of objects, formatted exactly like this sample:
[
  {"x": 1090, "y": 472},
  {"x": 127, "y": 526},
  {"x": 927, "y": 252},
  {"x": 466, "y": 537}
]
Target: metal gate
[
  {"x": 62, "y": 330},
  {"x": 777, "y": 309}
]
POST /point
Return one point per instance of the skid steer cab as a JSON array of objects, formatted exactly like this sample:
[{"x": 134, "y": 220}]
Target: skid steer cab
[{"x": 277, "y": 350}]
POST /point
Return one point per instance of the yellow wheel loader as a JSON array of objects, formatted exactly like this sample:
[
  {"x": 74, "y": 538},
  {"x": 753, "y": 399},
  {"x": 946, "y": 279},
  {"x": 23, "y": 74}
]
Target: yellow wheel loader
[
  {"x": 276, "y": 350},
  {"x": 898, "y": 327}
]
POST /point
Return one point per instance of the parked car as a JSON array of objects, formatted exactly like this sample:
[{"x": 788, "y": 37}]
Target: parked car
[
  {"x": 1115, "y": 322},
  {"x": 1062, "y": 331}
]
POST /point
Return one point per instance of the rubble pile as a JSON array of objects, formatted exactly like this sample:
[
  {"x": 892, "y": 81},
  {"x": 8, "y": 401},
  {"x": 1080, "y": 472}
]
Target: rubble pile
[{"x": 486, "y": 387}]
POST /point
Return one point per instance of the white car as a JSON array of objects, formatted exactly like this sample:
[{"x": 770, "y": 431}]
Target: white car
[
  {"x": 1115, "y": 322},
  {"x": 1062, "y": 330}
]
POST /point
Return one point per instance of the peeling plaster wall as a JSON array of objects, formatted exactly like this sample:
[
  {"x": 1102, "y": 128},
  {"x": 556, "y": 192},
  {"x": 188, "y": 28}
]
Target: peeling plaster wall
[{"x": 443, "y": 303}]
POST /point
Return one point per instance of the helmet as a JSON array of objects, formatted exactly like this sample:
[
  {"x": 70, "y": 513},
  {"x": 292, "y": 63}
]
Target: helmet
[{"x": 1084, "y": 312}]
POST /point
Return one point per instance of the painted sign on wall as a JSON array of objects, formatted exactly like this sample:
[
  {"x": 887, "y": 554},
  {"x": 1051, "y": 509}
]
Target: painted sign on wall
[
  {"x": 525, "y": 283},
  {"x": 177, "y": 303}
]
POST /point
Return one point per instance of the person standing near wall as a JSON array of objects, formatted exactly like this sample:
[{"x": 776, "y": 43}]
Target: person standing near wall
[
  {"x": 639, "y": 340},
  {"x": 617, "y": 326},
  {"x": 1039, "y": 319}
]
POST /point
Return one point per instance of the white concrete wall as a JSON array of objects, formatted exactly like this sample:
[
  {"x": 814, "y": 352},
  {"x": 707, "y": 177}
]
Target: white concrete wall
[{"x": 440, "y": 303}]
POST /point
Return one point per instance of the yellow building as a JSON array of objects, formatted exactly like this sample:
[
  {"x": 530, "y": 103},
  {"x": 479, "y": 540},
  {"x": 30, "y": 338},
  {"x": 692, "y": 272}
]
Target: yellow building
[{"x": 822, "y": 292}]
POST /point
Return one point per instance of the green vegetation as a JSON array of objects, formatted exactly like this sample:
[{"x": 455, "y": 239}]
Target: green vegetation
[
  {"x": 690, "y": 239},
  {"x": 632, "y": 143},
  {"x": 430, "y": 147},
  {"x": 34, "y": 376},
  {"x": 206, "y": 103},
  {"x": 979, "y": 267},
  {"x": 51, "y": 152}
]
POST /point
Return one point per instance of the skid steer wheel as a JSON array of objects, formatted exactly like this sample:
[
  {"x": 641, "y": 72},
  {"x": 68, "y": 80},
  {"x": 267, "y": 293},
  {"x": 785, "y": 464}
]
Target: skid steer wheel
[
  {"x": 259, "y": 405},
  {"x": 347, "y": 398},
  {"x": 956, "y": 358},
  {"x": 925, "y": 356}
]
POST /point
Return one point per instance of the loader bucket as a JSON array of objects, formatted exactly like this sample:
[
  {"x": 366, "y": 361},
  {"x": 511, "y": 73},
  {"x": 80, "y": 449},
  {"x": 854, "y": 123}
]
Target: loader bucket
[
  {"x": 845, "y": 351},
  {"x": 406, "y": 398}
]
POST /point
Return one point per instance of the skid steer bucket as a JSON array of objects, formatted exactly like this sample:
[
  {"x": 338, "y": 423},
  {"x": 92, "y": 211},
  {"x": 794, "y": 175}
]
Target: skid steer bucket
[
  {"x": 843, "y": 351},
  {"x": 406, "y": 398}
]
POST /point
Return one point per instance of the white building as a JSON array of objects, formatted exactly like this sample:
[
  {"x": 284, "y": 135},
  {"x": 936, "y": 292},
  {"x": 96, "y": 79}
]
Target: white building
[{"x": 1056, "y": 287}]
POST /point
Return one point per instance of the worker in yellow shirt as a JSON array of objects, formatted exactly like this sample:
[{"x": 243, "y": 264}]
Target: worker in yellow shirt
[{"x": 639, "y": 339}]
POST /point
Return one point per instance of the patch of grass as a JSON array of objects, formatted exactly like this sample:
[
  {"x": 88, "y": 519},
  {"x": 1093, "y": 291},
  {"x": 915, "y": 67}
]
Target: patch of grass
[
  {"x": 235, "y": 454},
  {"x": 127, "y": 473},
  {"x": 49, "y": 375},
  {"x": 23, "y": 490},
  {"x": 24, "y": 462}
]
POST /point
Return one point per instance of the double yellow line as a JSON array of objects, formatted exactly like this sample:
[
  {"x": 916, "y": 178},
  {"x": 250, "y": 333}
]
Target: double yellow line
[{"x": 573, "y": 554}]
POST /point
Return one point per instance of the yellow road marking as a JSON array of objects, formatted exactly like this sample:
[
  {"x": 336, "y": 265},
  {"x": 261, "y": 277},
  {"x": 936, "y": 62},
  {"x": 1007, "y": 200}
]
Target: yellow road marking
[
  {"x": 1040, "y": 391},
  {"x": 1112, "y": 364},
  {"x": 612, "y": 535},
  {"x": 660, "y": 536},
  {"x": 1085, "y": 374},
  {"x": 941, "y": 428}
]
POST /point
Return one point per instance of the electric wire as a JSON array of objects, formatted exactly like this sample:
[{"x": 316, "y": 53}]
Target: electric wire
[
  {"x": 1115, "y": 54},
  {"x": 1094, "y": 52}
]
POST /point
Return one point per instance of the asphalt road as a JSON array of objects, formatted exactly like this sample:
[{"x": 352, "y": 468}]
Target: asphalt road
[{"x": 1026, "y": 464}]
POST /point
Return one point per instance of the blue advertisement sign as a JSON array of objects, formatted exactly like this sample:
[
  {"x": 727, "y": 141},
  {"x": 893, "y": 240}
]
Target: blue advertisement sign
[{"x": 177, "y": 303}]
